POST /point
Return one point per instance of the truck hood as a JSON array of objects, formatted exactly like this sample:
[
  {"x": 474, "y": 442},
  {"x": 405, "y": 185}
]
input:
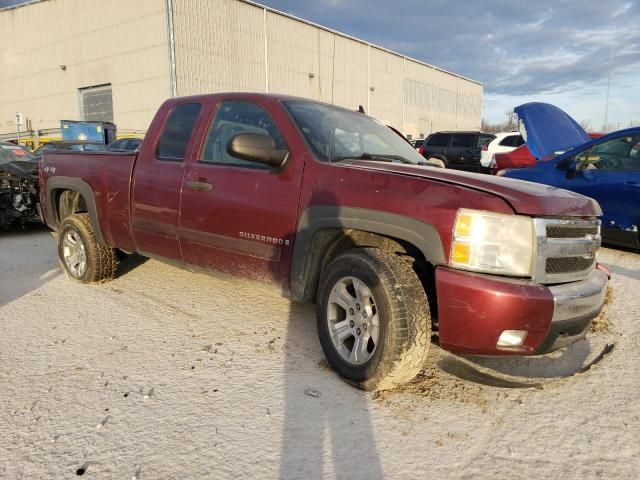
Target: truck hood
[
  {"x": 526, "y": 198},
  {"x": 546, "y": 129}
]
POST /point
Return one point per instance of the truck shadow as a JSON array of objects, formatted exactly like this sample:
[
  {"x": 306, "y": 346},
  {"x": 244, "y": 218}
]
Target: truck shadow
[
  {"x": 517, "y": 372},
  {"x": 564, "y": 363},
  {"x": 471, "y": 373},
  {"x": 129, "y": 262},
  {"x": 28, "y": 260},
  {"x": 624, "y": 271},
  {"x": 461, "y": 378}
]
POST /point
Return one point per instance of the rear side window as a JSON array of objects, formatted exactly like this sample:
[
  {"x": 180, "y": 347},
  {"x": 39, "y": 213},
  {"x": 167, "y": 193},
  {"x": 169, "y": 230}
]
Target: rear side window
[
  {"x": 512, "y": 141},
  {"x": 464, "y": 140},
  {"x": 438, "y": 140},
  {"x": 90, "y": 147},
  {"x": 484, "y": 140},
  {"x": 177, "y": 131},
  {"x": 507, "y": 141}
]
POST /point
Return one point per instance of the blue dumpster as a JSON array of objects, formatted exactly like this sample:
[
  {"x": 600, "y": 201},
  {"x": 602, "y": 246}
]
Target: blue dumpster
[{"x": 104, "y": 132}]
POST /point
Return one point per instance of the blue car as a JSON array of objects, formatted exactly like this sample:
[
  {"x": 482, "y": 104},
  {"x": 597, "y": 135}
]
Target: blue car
[{"x": 606, "y": 169}]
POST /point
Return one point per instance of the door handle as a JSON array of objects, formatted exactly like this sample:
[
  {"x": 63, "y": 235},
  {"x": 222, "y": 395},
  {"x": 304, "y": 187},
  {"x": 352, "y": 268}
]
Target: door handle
[
  {"x": 632, "y": 185},
  {"x": 201, "y": 185}
]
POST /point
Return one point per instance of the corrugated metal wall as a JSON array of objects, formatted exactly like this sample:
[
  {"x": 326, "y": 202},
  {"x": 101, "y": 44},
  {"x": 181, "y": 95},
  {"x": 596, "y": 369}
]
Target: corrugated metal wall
[
  {"x": 120, "y": 42},
  {"x": 221, "y": 45},
  {"x": 230, "y": 45}
]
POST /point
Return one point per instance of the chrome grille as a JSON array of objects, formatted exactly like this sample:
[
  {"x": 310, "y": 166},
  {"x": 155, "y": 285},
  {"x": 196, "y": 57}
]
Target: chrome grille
[
  {"x": 570, "y": 231},
  {"x": 567, "y": 265},
  {"x": 565, "y": 249}
]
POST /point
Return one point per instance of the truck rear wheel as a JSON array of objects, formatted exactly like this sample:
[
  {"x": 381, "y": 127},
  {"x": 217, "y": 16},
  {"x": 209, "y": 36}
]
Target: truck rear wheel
[
  {"x": 82, "y": 257},
  {"x": 373, "y": 319}
]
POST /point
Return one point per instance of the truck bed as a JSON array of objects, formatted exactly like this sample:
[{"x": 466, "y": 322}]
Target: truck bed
[{"x": 109, "y": 175}]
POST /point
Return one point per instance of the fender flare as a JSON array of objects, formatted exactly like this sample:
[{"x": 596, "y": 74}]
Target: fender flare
[
  {"x": 78, "y": 185},
  {"x": 421, "y": 235}
]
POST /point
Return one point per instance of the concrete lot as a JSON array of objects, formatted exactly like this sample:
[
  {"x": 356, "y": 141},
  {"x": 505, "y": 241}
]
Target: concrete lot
[{"x": 167, "y": 374}]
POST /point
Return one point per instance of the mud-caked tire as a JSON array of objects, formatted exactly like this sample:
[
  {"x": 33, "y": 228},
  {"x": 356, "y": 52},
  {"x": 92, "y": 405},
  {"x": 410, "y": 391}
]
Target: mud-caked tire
[
  {"x": 82, "y": 257},
  {"x": 366, "y": 293}
]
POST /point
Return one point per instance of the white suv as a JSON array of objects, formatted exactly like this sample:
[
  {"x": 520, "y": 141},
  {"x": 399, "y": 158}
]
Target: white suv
[{"x": 503, "y": 143}]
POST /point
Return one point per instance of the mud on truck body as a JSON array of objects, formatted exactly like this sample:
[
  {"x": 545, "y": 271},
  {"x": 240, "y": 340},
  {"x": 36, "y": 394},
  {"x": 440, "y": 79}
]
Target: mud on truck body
[{"x": 334, "y": 208}]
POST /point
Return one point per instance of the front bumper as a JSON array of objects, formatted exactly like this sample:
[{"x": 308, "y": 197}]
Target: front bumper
[
  {"x": 474, "y": 309},
  {"x": 575, "y": 305}
]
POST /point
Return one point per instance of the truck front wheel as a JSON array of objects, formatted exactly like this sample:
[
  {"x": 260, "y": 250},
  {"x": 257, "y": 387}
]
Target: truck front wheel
[
  {"x": 82, "y": 257},
  {"x": 373, "y": 319}
]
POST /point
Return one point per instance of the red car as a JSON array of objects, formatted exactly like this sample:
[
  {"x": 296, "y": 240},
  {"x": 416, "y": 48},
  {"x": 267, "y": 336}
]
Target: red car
[{"x": 332, "y": 207}]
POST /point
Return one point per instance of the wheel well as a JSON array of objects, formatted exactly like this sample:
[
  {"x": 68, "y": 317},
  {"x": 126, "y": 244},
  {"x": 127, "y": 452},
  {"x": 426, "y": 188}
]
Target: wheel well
[
  {"x": 67, "y": 203},
  {"x": 328, "y": 243}
]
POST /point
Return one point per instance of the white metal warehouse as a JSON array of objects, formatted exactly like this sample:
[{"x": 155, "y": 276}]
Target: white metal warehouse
[{"x": 117, "y": 60}]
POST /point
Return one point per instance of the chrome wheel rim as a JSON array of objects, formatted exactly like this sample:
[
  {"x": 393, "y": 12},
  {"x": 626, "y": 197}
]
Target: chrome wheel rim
[
  {"x": 352, "y": 318},
  {"x": 74, "y": 253}
]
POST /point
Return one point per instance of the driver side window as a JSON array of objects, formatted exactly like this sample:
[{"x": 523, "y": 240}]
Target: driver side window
[
  {"x": 232, "y": 118},
  {"x": 622, "y": 153}
]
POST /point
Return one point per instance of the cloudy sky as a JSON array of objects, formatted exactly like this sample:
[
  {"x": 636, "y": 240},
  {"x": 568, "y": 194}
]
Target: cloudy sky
[{"x": 555, "y": 51}]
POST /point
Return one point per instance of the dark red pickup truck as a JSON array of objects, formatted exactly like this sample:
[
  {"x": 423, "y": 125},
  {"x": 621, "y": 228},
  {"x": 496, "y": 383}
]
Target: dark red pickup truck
[{"x": 336, "y": 209}]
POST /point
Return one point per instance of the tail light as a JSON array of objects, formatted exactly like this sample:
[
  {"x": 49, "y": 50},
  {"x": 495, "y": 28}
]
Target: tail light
[
  {"x": 485, "y": 147},
  {"x": 421, "y": 149}
]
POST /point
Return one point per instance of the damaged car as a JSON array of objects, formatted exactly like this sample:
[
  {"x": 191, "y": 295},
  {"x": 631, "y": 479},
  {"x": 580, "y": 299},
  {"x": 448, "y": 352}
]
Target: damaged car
[
  {"x": 606, "y": 169},
  {"x": 18, "y": 186}
]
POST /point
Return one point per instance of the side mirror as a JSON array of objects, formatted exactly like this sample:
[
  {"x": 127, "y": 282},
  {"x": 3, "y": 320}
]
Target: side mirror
[
  {"x": 573, "y": 168},
  {"x": 258, "y": 148},
  {"x": 569, "y": 165}
]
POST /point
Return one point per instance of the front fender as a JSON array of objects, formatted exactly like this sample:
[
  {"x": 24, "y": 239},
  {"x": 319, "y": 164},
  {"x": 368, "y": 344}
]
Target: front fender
[{"x": 421, "y": 235}]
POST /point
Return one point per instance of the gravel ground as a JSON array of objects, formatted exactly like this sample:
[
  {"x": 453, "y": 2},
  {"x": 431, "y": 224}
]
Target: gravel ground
[{"x": 163, "y": 373}]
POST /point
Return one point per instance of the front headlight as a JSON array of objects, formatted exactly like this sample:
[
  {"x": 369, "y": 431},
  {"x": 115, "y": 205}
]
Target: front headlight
[{"x": 492, "y": 243}]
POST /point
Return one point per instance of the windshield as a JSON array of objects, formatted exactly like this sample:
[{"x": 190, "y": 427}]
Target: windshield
[
  {"x": 12, "y": 153},
  {"x": 335, "y": 134}
]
